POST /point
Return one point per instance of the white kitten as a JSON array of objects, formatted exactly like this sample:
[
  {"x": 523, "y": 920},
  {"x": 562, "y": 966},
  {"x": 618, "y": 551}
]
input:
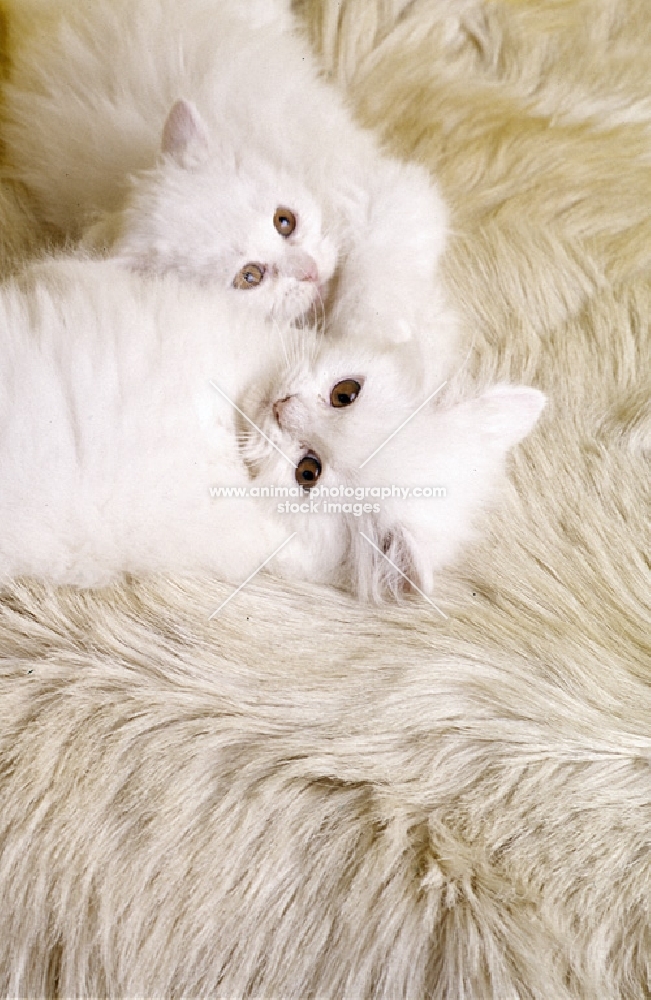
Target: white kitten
[
  {"x": 221, "y": 221},
  {"x": 171, "y": 133},
  {"x": 112, "y": 437},
  {"x": 111, "y": 433},
  {"x": 354, "y": 418}
]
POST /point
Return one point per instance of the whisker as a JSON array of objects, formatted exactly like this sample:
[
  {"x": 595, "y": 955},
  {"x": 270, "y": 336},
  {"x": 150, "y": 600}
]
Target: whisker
[
  {"x": 276, "y": 327},
  {"x": 318, "y": 308}
]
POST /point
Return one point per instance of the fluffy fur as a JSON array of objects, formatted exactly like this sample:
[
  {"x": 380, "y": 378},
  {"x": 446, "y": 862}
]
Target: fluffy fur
[
  {"x": 396, "y": 437},
  {"x": 174, "y": 154},
  {"x": 110, "y": 432},
  {"x": 22, "y": 235},
  {"x": 307, "y": 797},
  {"x": 119, "y": 408}
]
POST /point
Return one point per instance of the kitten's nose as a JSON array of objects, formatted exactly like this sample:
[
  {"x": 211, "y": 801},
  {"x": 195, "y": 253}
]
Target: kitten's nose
[
  {"x": 304, "y": 267},
  {"x": 311, "y": 271},
  {"x": 281, "y": 406}
]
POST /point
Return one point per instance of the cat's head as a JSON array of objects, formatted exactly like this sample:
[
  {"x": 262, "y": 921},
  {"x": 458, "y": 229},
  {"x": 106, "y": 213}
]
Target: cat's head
[
  {"x": 410, "y": 478},
  {"x": 230, "y": 218}
]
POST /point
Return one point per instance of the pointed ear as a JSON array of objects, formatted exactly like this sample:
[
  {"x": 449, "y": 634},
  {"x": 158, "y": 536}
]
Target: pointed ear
[
  {"x": 389, "y": 562},
  {"x": 509, "y": 412},
  {"x": 406, "y": 569},
  {"x": 185, "y": 137}
]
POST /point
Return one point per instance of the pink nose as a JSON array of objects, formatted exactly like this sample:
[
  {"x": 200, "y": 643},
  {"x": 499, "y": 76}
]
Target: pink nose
[
  {"x": 310, "y": 271},
  {"x": 303, "y": 267},
  {"x": 280, "y": 407}
]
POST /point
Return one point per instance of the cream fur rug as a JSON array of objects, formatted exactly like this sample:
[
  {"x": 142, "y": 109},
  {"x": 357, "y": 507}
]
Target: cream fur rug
[{"x": 308, "y": 799}]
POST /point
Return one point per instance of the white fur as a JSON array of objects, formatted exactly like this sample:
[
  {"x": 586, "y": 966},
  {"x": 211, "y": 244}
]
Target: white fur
[
  {"x": 111, "y": 438},
  {"x": 388, "y": 438},
  {"x": 110, "y": 433},
  {"x": 305, "y": 797},
  {"x": 98, "y": 85}
]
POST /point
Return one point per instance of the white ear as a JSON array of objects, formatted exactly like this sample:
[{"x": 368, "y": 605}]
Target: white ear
[
  {"x": 389, "y": 562},
  {"x": 185, "y": 137},
  {"x": 509, "y": 412}
]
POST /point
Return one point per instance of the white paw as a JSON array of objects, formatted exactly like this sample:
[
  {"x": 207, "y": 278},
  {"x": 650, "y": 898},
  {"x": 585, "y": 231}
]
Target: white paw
[{"x": 372, "y": 328}]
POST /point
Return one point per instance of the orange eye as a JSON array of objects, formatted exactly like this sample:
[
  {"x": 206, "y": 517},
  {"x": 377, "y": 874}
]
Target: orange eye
[
  {"x": 345, "y": 392},
  {"x": 308, "y": 470},
  {"x": 250, "y": 276},
  {"x": 284, "y": 222}
]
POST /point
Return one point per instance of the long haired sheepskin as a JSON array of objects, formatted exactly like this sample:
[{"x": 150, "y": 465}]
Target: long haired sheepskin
[{"x": 303, "y": 797}]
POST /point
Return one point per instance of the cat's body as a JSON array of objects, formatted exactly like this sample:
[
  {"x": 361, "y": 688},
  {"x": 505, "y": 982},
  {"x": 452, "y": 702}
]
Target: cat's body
[
  {"x": 112, "y": 438},
  {"x": 88, "y": 109},
  {"x": 110, "y": 432}
]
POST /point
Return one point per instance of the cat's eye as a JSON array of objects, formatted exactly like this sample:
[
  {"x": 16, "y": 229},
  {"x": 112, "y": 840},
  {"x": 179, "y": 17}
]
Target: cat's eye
[
  {"x": 308, "y": 470},
  {"x": 284, "y": 221},
  {"x": 250, "y": 276},
  {"x": 345, "y": 392}
]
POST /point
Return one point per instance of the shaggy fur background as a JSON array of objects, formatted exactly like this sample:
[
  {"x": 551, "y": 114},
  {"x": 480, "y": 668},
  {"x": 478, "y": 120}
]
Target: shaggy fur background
[{"x": 307, "y": 798}]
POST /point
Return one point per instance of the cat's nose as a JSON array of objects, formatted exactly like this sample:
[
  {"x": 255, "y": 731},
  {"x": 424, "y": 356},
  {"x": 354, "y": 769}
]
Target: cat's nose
[
  {"x": 304, "y": 267},
  {"x": 310, "y": 271},
  {"x": 280, "y": 407}
]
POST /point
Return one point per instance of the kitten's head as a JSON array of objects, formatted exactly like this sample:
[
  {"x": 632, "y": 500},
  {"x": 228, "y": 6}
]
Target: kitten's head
[
  {"x": 350, "y": 417},
  {"x": 230, "y": 218}
]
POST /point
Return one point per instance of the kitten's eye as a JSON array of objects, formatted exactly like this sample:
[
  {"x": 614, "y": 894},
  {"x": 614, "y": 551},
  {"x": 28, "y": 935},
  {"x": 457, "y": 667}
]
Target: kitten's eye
[
  {"x": 250, "y": 276},
  {"x": 285, "y": 221},
  {"x": 345, "y": 392},
  {"x": 308, "y": 470}
]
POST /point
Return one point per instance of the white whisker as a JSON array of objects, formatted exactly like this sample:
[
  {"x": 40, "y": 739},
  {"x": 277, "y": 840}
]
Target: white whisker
[
  {"x": 276, "y": 327},
  {"x": 253, "y": 424}
]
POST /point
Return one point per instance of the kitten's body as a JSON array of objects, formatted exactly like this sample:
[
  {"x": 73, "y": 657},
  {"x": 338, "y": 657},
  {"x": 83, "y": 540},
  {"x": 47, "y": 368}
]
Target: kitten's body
[
  {"x": 111, "y": 438},
  {"x": 93, "y": 86},
  {"x": 110, "y": 433}
]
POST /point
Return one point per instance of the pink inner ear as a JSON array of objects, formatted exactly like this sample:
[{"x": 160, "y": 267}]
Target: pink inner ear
[{"x": 183, "y": 128}]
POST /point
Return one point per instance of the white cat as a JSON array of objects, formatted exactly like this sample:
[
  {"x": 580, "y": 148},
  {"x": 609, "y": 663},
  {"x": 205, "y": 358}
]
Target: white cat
[
  {"x": 199, "y": 137},
  {"x": 122, "y": 406},
  {"x": 110, "y": 432},
  {"x": 416, "y": 468}
]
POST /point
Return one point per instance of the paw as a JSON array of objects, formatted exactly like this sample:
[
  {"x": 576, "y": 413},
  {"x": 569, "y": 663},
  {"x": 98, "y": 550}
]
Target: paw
[{"x": 371, "y": 326}]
